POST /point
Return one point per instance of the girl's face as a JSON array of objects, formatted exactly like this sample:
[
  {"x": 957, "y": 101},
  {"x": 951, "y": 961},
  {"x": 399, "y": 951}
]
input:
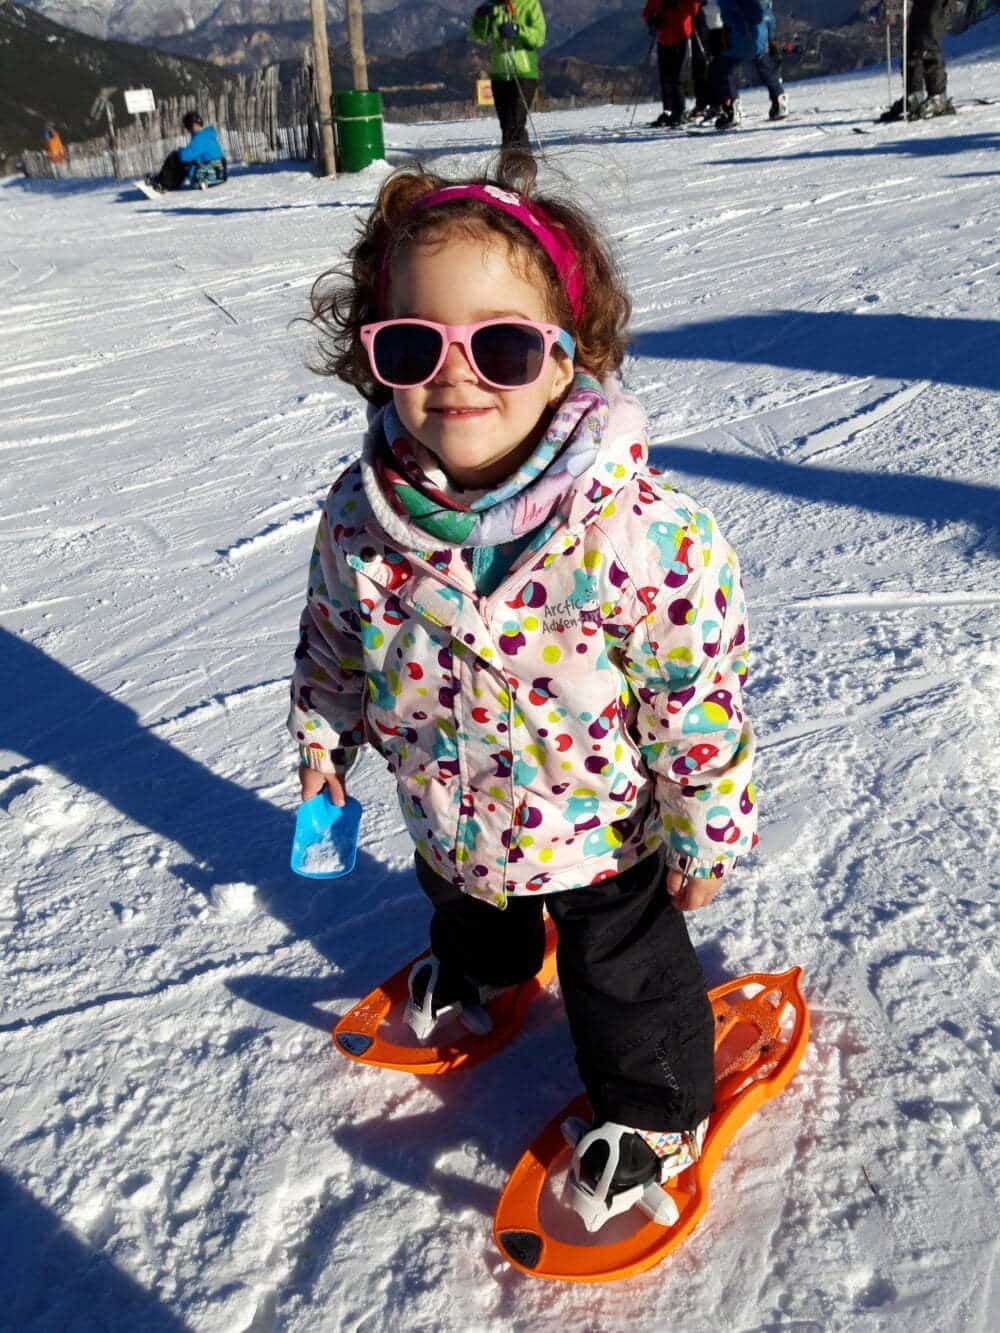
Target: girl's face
[{"x": 479, "y": 434}]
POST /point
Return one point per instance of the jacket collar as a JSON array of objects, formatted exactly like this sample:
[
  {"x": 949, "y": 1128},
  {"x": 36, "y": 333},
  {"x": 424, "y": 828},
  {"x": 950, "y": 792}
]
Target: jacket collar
[{"x": 622, "y": 454}]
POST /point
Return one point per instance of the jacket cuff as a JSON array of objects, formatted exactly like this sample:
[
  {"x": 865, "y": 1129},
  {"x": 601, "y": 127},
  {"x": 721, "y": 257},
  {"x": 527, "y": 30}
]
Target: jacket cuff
[
  {"x": 321, "y": 760},
  {"x": 700, "y": 868}
]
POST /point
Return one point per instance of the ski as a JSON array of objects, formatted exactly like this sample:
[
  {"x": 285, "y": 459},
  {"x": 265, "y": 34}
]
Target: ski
[
  {"x": 147, "y": 190},
  {"x": 761, "y": 1033},
  {"x": 373, "y": 1033},
  {"x": 963, "y": 104}
]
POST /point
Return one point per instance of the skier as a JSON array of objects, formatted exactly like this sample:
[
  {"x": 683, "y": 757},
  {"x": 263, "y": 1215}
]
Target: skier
[
  {"x": 671, "y": 22},
  {"x": 203, "y": 148},
  {"x": 543, "y": 638},
  {"x": 707, "y": 46},
  {"x": 925, "y": 68},
  {"x": 514, "y": 29},
  {"x": 749, "y": 25}
]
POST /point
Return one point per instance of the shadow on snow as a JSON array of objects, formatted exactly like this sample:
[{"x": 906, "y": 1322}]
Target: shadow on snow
[
  {"x": 52, "y": 1275},
  {"x": 229, "y": 833},
  {"x": 931, "y": 146},
  {"x": 904, "y": 347}
]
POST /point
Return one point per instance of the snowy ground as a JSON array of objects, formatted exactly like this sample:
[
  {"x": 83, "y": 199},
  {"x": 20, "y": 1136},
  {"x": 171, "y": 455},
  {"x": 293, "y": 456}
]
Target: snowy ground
[{"x": 816, "y": 344}]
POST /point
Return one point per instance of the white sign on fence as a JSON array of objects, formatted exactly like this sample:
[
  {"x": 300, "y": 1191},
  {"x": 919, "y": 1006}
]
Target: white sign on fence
[{"x": 138, "y": 100}]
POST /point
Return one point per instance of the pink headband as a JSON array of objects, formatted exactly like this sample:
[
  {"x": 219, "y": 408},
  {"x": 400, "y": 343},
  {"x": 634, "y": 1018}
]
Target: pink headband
[{"x": 553, "y": 241}]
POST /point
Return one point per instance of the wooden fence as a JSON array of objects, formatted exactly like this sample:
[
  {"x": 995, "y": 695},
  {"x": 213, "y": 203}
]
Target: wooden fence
[{"x": 257, "y": 120}]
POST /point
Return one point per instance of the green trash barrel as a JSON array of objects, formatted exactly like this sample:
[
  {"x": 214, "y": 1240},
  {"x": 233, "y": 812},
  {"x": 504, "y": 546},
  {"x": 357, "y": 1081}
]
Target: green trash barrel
[{"x": 358, "y": 118}]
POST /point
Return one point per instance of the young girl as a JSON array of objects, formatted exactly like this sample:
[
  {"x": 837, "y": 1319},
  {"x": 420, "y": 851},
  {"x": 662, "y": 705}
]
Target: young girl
[{"x": 542, "y": 637}]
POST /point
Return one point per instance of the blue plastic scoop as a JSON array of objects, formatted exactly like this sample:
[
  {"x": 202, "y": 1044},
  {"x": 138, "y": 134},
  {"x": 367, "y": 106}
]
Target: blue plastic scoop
[{"x": 326, "y": 837}]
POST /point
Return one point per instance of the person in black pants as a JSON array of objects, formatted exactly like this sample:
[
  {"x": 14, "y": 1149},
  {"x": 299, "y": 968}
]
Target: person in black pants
[
  {"x": 634, "y": 991},
  {"x": 671, "y": 24},
  {"x": 707, "y": 48},
  {"x": 515, "y": 31},
  {"x": 511, "y": 100},
  {"x": 925, "y": 69}
]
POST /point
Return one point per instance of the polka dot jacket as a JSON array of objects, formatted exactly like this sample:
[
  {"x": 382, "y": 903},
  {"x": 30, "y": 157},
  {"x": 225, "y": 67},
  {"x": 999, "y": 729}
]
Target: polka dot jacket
[{"x": 550, "y": 734}]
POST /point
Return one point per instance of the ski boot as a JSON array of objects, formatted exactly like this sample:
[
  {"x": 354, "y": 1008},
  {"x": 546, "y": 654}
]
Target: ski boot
[
  {"x": 938, "y": 104},
  {"x": 667, "y": 120},
  {"x": 616, "y": 1168},
  {"x": 730, "y": 115},
  {"x": 779, "y": 107},
  {"x": 432, "y": 1004},
  {"x": 709, "y": 116},
  {"x": 913, "y": 104}
]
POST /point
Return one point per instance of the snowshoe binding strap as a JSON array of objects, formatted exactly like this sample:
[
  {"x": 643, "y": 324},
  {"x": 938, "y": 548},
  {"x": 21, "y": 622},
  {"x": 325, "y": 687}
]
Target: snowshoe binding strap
[
  {"x": 426, "y": 1013},
  {"x": 632, "y": 1166},
  {"x": 611, "y": 1171}
]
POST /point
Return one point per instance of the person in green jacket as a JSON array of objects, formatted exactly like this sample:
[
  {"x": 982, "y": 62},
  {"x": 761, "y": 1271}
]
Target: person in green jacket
[{"x": 515, "y": 29}]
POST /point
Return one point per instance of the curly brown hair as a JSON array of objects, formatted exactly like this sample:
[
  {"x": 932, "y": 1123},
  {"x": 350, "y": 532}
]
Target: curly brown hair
[{"x": 345, "y": 298}]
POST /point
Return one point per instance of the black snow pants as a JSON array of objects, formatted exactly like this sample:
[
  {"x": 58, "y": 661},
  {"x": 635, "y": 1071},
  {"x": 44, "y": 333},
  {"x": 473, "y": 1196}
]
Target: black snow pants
[
  {"x": 706, "y": 49},
  {"x": 173, "y": 173},
  {"x": 513, "y": 99},
  {"x": 632, "y": 985},
  {"x": 670, "y": 63},
  {"x": 924, "y": 58}
]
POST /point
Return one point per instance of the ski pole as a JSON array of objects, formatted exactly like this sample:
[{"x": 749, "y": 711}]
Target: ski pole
[
  {"x": 906, "y": 97},
  {"x": 529, "y": 118},
  {"x": 888, "y": 60},
  {"x": 642, "y": 67},
  {"x": 527, "y": 113}
]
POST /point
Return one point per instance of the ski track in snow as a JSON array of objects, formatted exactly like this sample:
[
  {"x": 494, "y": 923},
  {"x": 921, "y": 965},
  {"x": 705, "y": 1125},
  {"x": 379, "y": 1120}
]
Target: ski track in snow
[{"x": 182, "y": 1148}]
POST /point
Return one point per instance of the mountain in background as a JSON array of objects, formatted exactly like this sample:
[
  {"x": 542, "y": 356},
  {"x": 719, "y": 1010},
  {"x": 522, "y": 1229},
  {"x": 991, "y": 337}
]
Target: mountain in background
[
  {"x": 248, "y": 34},
  {"x": 399, "y": 26},
  {"x": 51, "y": 74}
]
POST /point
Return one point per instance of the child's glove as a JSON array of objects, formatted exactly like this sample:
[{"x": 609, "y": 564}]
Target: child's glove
[{"x": 508, "y": 31}]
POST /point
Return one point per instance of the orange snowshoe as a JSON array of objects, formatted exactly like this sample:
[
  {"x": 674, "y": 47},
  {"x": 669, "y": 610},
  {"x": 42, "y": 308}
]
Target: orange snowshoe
[
  {"x": 762, "y": 1029},
  {"x": 374, "y": 1031}
]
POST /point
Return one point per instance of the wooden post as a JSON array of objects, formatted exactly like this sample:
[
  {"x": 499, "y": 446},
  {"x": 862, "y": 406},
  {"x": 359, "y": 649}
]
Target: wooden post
[
  {"x": 112, "y": 140},
  {"x": 324, "y": 88},
  {"x": 356, "y": 38}
]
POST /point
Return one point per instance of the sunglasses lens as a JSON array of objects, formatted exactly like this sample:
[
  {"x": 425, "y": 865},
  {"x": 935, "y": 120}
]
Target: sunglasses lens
[
  {"x": 406, "y": 354},
  {"x": 509, "y": 354}
]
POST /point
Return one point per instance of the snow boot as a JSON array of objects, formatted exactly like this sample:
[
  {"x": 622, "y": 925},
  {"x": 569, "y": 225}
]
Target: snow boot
[
  {"x": 730, "y": 115},
  {"x": 616, "y": 1167},
  {"x": 432, "y": 1004},
  {"x": 938, "y": 104},
  {"x": 913, "y": 104},
  {"x": 779, "y": 107}
]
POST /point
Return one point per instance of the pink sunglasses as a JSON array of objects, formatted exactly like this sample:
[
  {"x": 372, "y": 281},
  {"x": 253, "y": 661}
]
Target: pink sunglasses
[{"x": 504, "y": 353}]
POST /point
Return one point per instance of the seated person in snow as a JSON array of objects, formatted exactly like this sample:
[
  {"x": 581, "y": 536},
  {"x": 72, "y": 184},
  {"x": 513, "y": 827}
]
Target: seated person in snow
[{"x": 203, "y": 149}]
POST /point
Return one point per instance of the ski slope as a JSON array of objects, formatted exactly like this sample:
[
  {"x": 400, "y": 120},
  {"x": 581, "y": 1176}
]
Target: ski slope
[{"x": 816, "y": 344}]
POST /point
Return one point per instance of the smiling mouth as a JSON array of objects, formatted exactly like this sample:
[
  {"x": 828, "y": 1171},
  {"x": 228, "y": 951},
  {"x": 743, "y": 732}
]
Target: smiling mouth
[{"x": 460, "y": 411}]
